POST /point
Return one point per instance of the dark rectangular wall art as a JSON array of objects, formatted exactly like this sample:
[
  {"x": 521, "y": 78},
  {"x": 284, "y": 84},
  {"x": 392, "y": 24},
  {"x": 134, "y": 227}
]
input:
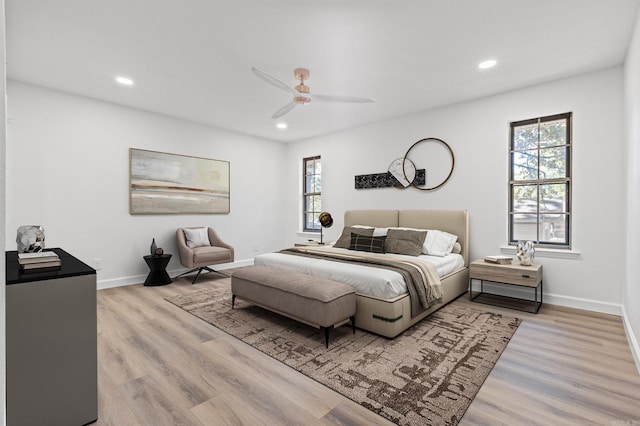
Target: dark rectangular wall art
[{"x": 387, "y": 180}]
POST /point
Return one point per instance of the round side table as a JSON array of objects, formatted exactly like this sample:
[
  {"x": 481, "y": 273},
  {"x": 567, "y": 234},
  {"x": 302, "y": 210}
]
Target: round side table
[{"x": 157, "y": 274}]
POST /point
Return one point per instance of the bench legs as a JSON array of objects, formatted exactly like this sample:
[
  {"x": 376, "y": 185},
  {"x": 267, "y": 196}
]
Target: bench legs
[{"x": 327, "y": 330}]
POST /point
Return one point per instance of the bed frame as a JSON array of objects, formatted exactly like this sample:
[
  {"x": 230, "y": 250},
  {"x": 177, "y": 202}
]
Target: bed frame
[{"x": 390, "y": 317}]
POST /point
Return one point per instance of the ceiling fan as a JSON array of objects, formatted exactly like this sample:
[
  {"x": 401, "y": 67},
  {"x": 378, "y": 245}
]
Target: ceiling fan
[{"x": 301, "y": 94}]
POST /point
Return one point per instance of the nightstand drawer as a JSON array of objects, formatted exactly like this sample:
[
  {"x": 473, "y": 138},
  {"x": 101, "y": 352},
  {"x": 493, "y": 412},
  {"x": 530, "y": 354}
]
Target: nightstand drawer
[{"x": 509, "y": 274}]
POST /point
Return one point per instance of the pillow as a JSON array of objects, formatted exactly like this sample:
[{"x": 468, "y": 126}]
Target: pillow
[
  {"x": 345, "y": 239},
  {"x": 457, "y": 248},
  {"x": 424, "y": 247},
  {"x": 380, "y": 232},
  {"x": 197, "y": 237},
  {"x": 439, "y": 243},
  {"x": 405, "y": 241},
  {"x": 366, "y": 243}
]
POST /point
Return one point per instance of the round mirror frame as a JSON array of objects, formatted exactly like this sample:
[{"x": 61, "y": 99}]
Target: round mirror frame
[{"x": 453, "y": 162}]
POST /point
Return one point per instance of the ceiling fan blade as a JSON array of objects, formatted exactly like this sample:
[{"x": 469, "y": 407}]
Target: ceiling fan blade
[
  {"x": 340, "y": 98},
  {"x": 273, "y": 81},
  {"x": 282, "y": 111}
]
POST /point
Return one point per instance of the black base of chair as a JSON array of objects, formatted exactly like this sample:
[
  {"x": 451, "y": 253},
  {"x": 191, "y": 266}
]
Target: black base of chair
[{"x": 200, "y": 269}]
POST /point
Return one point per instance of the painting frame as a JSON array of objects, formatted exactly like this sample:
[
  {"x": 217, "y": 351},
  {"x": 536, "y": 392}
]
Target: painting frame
[{"x": 169, "y": 183}]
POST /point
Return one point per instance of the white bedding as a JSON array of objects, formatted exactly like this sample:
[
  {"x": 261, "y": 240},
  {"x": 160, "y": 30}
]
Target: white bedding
[{"x": 376, "y": 282}]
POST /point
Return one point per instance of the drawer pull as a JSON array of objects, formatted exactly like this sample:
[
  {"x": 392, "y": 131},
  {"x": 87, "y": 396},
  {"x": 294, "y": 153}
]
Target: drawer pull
[{"x": 526, "y": 276}]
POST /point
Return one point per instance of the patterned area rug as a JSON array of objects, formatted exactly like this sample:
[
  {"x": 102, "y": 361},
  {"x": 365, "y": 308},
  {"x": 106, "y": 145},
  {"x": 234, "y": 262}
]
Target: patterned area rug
[{"x": 427, "y": 375}]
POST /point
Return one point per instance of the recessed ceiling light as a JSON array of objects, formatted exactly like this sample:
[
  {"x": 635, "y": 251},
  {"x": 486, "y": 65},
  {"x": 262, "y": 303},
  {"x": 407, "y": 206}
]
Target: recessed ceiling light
[
  {"x": 125, "y": 81},
  {"x": 281, "y": 126},
  {"x": 487, "y": 64}
]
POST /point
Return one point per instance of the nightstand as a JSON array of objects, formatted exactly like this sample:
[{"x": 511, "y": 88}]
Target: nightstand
[
  {"x": 309, "y": 244},
  {"x": 513, "y": 274}
]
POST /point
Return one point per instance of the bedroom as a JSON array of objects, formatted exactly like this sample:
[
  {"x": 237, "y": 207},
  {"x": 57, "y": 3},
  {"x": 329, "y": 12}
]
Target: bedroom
[{"x": 78, "y": 147}]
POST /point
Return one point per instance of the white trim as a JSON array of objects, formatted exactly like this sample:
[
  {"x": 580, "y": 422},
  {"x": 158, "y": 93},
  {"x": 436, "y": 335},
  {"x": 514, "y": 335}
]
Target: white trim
[
  {"x": 139, "y": 279},
  {"x": 631, "y": 338},
  {"x": 585, "y": 304},
  {"x": 122, "y": 281},
  {"x": 546, "y": 252}
]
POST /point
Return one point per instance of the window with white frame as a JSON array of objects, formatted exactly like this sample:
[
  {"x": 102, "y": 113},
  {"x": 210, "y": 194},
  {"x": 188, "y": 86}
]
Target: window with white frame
[
  {"x": 540, "y": 181},
  {"x": 311, "y": 192}
]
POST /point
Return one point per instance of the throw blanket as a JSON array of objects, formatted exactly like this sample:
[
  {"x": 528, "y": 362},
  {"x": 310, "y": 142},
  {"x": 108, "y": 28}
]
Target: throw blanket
[{"x": 423, "y": 283}]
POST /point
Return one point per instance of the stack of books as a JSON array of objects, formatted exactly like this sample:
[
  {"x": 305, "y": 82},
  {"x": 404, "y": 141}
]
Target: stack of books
[
  {"x": 39, "y": 260},
  {"x": 499, "y": 259}
]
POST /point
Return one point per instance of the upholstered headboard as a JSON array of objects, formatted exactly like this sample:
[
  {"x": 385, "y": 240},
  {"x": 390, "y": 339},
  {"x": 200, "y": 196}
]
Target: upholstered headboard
[{"x": 453, "y": 221}]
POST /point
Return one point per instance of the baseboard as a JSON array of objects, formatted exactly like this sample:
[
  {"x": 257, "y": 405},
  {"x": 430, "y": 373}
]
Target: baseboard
[
  {"x": 585, "y": 304},
  {"x": 137, "y": 279},
  {"x": 550, "y": 298},
  {"x": 121, "y": 281},
  {"x": 631, "y": 337}
]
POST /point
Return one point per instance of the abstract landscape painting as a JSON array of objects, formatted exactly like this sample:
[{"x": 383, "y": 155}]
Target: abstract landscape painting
[{"x": 162, "y": 183}]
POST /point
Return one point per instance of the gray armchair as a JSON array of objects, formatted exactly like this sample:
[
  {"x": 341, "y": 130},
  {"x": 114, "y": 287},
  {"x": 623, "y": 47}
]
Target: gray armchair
[{"x": 200, "y": 256}]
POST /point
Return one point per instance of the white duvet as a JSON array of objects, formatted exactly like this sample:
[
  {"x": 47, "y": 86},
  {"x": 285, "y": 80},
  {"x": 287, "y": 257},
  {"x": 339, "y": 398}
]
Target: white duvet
[{"x": 371, "y": 281}]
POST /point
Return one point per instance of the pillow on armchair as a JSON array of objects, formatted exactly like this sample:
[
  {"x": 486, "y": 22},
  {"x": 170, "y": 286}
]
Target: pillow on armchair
[{"x": 197, "y": 237}]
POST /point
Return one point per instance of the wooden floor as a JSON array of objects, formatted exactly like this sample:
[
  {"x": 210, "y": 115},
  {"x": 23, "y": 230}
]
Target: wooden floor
[{"x": 158, "y": 365}]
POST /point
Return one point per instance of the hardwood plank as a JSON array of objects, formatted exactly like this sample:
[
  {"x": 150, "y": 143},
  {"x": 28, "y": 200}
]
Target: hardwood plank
[
  {"x": 226, "y": 410},
  {"x": 112, "y": 406},
  {"x": 349, "y": 413},
  {"x": 285, "y": 382},
  {"x": 148, "y": 400},
  {"x": 160, "y": 365}
]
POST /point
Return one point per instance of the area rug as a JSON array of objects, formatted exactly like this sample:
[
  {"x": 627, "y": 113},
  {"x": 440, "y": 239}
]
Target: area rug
[{"x": 427, "y": 375}]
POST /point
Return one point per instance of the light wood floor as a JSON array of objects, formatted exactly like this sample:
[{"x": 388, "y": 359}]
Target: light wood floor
[{"x": 158, "y": 365}]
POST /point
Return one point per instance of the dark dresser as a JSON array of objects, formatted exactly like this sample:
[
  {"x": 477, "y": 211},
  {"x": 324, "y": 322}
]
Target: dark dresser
[{"x": 51, "y": 331}]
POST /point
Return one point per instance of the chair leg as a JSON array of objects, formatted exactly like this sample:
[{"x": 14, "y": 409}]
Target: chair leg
[
  {"x": 216, "y": 271},
  {"x": 199, "y": 270},
  {"x": 188, "y": 272},
  {"x": 197, "y": 275}
]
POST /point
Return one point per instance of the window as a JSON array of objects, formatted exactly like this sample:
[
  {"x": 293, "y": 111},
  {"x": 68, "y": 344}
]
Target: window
[
  {"x": 312, "y": 193},
  {"x": 540, "y": 181}
]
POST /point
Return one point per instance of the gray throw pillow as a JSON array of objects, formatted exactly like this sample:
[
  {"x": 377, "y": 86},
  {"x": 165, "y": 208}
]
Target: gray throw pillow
[
  {"x": 345, "y": 239},
  {"x": 404, "y": 241},
  {"x": 196, "y": 237}
]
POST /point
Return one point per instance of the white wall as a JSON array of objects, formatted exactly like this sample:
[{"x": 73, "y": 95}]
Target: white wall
[
  {"x": 478, "y": 133},
  {"x": 68, "y": 170},
  {"x": 632, "y": 126}
]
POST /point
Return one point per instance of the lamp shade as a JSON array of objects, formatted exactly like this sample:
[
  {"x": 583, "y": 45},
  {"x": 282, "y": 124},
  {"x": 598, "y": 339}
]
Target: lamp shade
[{"x": 325, "y": 219}]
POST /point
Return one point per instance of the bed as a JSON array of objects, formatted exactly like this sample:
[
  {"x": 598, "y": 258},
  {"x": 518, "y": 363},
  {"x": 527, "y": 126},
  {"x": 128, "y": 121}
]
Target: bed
[{"x": 383, "y": 301}]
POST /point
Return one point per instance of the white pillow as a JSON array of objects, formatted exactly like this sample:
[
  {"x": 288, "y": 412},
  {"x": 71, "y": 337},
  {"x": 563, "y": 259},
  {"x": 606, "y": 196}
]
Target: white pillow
[
  {"x": 439, "y": 243},
  {"x": 197, "y": 237},
  {"x": 380, "y": 232},
  {"x": 377, "y": 232}
]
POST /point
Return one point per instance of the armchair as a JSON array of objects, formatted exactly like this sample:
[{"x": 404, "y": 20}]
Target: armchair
[{"x": 201, "y": 247}]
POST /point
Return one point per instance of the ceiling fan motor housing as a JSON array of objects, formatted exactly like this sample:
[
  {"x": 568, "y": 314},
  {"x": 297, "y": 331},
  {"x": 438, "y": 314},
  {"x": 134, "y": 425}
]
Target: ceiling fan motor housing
[{"x": 301, "y": 74}]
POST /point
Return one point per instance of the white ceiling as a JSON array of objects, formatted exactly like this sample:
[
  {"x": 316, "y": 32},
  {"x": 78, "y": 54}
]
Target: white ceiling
[{"x": 192, "y": 59}]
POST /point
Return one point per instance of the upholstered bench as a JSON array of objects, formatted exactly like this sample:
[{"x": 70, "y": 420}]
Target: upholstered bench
[{"x": 311, "y": 300}]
